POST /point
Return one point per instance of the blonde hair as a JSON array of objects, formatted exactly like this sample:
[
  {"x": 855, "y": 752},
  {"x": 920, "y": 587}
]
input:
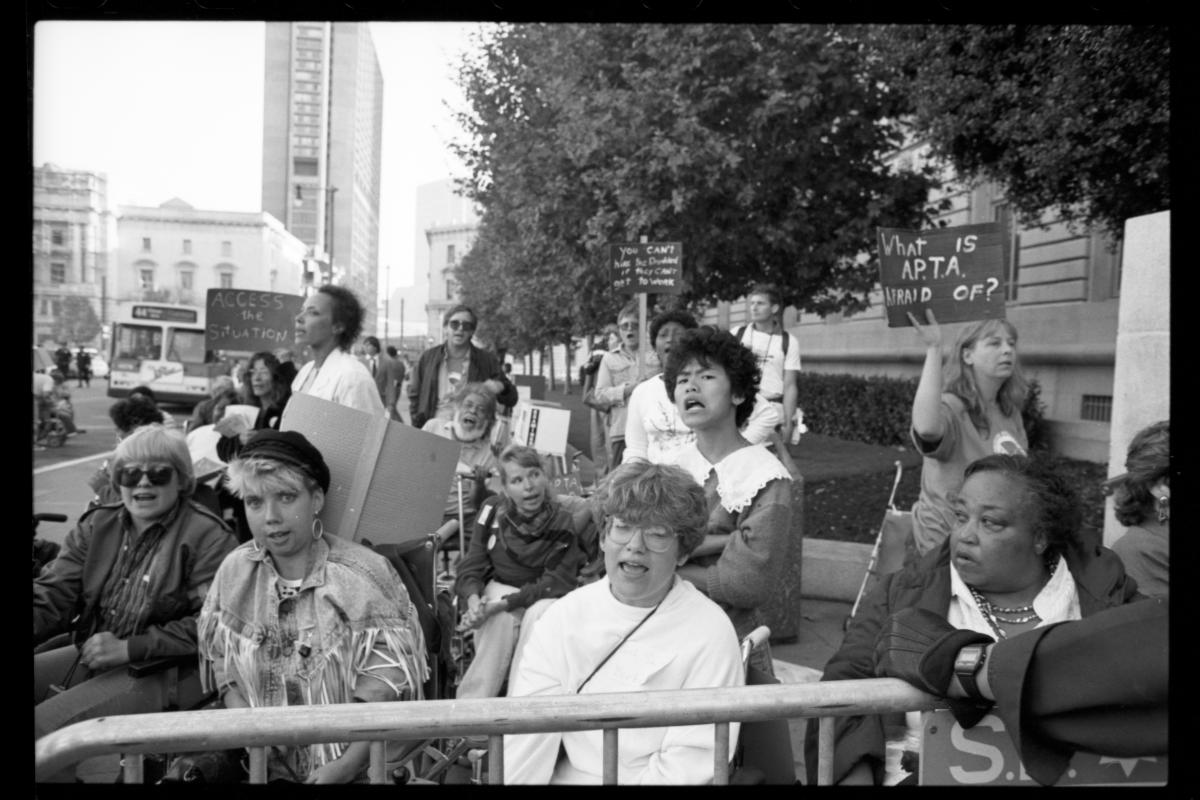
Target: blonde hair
[
  {"x": 960, "y": 377},
  {"x": 155, "y": 442}
]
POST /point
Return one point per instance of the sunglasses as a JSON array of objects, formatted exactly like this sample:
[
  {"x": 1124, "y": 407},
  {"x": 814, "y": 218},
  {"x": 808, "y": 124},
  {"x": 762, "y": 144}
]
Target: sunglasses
[
  {"x": 628, "y": 326},
  {"x": 130, "y": 477},
  {"x": 461, "y": 325}
]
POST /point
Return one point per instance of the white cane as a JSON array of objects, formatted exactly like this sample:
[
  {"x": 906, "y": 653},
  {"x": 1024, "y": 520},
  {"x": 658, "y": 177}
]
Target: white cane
[{"x": 462, "y": 525}]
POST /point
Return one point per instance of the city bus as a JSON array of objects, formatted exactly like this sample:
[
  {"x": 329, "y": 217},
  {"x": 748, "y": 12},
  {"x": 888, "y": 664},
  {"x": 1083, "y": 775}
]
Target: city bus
[{"x": 161, "y": 345}]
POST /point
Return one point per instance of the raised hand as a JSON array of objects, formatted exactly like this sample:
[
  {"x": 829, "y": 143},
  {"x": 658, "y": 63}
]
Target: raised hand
[{"x": 930, "y": 332}]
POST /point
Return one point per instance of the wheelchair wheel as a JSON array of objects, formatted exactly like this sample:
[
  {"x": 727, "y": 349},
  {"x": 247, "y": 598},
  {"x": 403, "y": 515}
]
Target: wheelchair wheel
[{"x": 55, "y": 433}]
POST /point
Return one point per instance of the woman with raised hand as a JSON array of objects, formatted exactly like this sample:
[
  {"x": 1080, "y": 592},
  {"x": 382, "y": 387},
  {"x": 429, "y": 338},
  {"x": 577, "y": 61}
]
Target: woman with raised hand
[
  {"x": 301, "y": 616},
  {"x": 965, "y": 410}
]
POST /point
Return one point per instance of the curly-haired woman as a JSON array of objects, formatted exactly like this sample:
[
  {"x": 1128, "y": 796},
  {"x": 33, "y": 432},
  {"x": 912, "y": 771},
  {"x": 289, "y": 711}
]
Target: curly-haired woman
[
  {"x": 329, "y": 322},
  {"x": 1142, "y": 502}
]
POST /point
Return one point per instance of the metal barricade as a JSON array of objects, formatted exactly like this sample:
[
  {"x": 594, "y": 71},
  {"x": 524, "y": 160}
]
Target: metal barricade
[{"x": 259, "y": 728}]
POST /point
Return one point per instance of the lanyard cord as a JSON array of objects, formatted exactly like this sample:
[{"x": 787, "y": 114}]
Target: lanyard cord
[{"x": 618, "y": 647}]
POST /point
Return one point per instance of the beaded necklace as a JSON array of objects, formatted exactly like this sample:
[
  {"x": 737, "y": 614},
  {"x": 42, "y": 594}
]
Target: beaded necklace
[{"x": 994, "y": 614}]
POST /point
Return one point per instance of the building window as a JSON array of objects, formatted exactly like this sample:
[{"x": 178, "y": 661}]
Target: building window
[
  {"x": 185, "y": 280},
  {"x": 1011, "y": 245},
  {"x": 58, "y": 236},
  {"x": 449, "y": 290},
  {"x": 226, "y": 249},
  {"x": 56, "y": 308},
  {"x": 187, "y": 247},
  {"x": 450, "y": 254},
  {"x": 58, "y": 272},
  {"x": 146, "y": 278},
  {"x": 226, "y": 280},
  {"x": 45, "y": 306},
  {"x": 146, "y": 243},
  {"x": 1096, "y": 408}
]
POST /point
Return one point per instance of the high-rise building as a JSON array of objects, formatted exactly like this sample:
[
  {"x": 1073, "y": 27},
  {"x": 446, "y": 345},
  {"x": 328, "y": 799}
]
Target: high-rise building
[
  {"x": 322, "y": 143},
  {"x": 73, "y": 238}
]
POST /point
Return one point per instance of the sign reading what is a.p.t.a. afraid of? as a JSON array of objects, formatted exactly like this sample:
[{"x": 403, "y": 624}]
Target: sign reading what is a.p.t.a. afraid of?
[{"x": 958, "y": 273}]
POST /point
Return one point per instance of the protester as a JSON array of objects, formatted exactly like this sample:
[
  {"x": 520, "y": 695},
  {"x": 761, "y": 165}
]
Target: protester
[
  {"x": 597, "y": 412},
  {"x": 777, "y": 351},
  {"x": 387, "y": 373},
  {"x": 62, "y": 359},
  {"x": 83, "y": 368},
  {"x": 202, "y": 412},
  {"x": 474, "y": 415},
  {"x": 443, "y": 368},
  {"x": 264, "y": 386},
  {"x": 60, "y": 399},
  {"x": 639, "y": 628},
  {"x": 961, "y": 412},
  {"x": 1142, "y": 502},
  {"x": 524, "y": 553},
  {"x": 302, "y": 616},
  {"x": 713, "y": 380},
  {"x": 619, "y": 373},
  {"x": 148, "y": 393},
  {"x": 1047, "y": 688},
  {"x": 1014, "y": 562},
  {"x": 328, "y": 324},
  {"x": 127, "y": 584},
  {"x": 653, "y": 428}
]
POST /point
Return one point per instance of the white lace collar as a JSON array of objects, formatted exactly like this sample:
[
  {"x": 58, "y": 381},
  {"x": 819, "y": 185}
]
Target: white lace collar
[{"x": 741, "y": 475}]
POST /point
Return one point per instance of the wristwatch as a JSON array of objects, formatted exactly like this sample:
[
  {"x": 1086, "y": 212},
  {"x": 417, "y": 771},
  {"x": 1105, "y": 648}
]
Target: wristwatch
[{"x": 968, "y": 665}]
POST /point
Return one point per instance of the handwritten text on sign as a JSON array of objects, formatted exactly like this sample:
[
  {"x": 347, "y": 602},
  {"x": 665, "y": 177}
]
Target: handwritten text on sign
[
  {"x": 239, "y": 319},
  {"x": 956, "y": 272},
  {"x": 651, "y": 267}
]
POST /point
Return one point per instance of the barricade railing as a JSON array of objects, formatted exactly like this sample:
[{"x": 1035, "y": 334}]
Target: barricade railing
[{"x": 260, "y": 728}]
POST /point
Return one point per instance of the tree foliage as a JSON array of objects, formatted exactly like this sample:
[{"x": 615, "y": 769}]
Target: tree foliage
[
  {"x": 761, "y": 148},
  {"x": 1074, "y": 118},
  {"x": 77, "y": 321}
]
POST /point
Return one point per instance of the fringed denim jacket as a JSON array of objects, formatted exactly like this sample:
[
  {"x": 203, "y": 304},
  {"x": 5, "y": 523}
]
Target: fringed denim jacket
[{"x": 314, "y": 647}]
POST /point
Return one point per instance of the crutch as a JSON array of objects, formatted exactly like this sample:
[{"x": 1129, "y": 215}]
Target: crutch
[{"x": 874, "y": 562}]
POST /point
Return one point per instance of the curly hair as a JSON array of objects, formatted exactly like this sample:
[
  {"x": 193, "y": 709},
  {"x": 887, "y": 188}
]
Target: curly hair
[
  {"x": 480, "y": 390},
  {"x": 1056, "y": 514},
  {"x": 347, "y": 311},
  {"x": 281, "y": 386},
  {"x": 134, "y": 412},
  {"x": 1146, "y": 461},
  {"x": 709, "y": 346},
  {"x": 678, "y": 315},
  {"x": 960, "y": 378},
  {"x": 656, "y": 495}
]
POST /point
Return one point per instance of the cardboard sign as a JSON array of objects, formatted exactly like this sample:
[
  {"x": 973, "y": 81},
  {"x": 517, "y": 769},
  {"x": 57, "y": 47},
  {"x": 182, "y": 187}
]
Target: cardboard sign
[
  {"x": 984, "y": 755},
  {"x": 542, "y": 427},
  {"x": 248, "y": 321},
  {"x": 529, "y": 387},
  {"x": 956, "y": 272},
  {"x": 388, "y": 480},
  {"x": 651, "y": 267}
]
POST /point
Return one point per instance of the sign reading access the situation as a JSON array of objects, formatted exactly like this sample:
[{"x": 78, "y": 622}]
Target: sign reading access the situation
[
  {"x": 956, "y": 272},
  {"x": 240, "y": 319},
  {"x": 650, "y": 267}
]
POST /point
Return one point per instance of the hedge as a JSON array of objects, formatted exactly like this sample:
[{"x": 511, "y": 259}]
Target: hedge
[{"x": 878, "y": 410}]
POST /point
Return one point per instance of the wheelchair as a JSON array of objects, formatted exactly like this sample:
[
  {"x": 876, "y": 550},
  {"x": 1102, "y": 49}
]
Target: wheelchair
[{"x": 50, "y": 431}]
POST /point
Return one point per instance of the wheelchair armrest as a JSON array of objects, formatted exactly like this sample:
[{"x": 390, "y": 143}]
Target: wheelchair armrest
[
  {"x": 447, "y": 532},
  {"x": 152, "y": 666}
]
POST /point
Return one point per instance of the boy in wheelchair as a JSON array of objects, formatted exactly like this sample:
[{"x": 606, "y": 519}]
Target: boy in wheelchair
[{"x": 524, "y": 553}]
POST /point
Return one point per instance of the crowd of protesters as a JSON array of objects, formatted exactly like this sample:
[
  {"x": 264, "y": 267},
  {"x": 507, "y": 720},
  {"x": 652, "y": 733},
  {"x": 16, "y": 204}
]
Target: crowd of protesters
[{"x": 648, "y": 584}]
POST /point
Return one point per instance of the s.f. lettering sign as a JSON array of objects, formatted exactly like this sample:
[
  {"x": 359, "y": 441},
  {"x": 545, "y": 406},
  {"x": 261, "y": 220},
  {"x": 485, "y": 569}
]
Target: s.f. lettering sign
[
  {"x": 956, "y": 272},
  {"x": 240, "y": 319},
  {"x": 650, "y": 267}
]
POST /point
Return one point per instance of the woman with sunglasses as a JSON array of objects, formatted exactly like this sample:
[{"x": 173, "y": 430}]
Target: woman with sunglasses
[
  {"x": 443, "y": 369},
  {"x": 128, "y": 585}
]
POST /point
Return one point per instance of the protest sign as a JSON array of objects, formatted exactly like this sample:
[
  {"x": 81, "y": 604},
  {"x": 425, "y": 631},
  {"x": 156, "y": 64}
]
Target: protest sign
[
  {"x": 542, "y": 427},
  {"x": 249, "y": 321},
  {"x": 984, "y": 755},
  {"x": 651, "y": 267},
  {"x": 388, "y": 480},
  {"x": 956, "y": 272}
]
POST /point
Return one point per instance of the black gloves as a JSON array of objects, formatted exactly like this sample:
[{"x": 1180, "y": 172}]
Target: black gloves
[{"x": 919, "y": 647}]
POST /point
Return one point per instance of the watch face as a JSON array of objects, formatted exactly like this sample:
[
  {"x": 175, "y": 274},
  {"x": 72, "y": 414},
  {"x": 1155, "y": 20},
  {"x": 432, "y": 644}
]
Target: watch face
[{"x": 968, "y": 660}]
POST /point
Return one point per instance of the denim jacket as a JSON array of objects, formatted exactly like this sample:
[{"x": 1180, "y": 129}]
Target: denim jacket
[{"x": 313, "y": 648}]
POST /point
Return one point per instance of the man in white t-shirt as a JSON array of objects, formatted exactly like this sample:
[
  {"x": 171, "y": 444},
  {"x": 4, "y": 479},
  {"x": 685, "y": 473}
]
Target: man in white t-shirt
[{"x": 778, "y": 353}]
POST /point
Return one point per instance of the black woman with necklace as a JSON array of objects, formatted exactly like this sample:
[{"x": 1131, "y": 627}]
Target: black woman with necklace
[{"x": 1015, "y": 561}]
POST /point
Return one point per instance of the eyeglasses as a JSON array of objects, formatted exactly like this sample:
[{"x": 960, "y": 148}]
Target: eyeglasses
[
  {"x": 130, "y": 477},
  {"x": 628, "y": 326},
  {"x": 655, "y": 541},
  {"x": 461, "y": 325}
]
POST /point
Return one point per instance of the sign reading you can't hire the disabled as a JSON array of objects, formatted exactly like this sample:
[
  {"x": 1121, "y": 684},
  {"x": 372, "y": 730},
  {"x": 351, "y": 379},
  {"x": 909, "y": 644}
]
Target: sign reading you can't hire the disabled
[
  {"x": 958, "y": 273},
  {"x": 650, "y": 267}
]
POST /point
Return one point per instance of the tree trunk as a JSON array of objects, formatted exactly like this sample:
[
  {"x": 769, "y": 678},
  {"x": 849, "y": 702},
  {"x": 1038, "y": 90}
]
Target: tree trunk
[
  {"x": 567, "y": 370},
  {"x": 551, "y": 349}
]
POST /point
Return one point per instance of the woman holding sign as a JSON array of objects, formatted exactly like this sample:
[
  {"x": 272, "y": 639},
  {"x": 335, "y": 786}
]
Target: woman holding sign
[{"x": 969, "y": 409}]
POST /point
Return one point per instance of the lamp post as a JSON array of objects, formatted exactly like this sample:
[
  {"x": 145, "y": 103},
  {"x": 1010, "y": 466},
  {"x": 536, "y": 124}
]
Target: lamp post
[{"x": 329, "y": 191}]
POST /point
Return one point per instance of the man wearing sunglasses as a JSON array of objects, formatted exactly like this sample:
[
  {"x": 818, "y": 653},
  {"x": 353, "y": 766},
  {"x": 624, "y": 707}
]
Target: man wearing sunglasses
[{"x": 444, "y": 367}]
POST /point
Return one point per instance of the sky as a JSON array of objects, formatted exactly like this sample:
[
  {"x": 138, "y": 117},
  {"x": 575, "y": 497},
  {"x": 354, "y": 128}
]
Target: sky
[{"x": 174, "y": 109}]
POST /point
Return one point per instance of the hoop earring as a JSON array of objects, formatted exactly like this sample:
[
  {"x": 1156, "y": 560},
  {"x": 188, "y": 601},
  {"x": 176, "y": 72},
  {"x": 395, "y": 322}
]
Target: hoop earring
[
  {"x": 1164, "y": 510},
  {"x": 318, "y": 528}
]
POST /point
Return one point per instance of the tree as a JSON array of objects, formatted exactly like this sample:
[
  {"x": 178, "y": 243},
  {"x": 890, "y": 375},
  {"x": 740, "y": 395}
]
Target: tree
[
  {"x": 1070, "y": 117},
  {"x": 761, "y": 148},
  {"x": 77, "y": 322}
]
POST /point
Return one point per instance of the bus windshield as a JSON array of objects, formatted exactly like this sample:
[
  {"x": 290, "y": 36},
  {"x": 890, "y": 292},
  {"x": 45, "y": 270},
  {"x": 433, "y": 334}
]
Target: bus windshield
[
  {"x": 142, "y": 342},
  {"x": 186, "y": 346}
]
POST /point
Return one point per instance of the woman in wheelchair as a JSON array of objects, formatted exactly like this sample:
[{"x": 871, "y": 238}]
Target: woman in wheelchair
[
  {"x": 300, "y": 616},
  {"x": 1014, "y": 562},
  {"x": 638, "y": 628},
  {"x": 471, "y": 426},
  {"x": 127, "y": 585},
  {"x": 524, "y": 553}
]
